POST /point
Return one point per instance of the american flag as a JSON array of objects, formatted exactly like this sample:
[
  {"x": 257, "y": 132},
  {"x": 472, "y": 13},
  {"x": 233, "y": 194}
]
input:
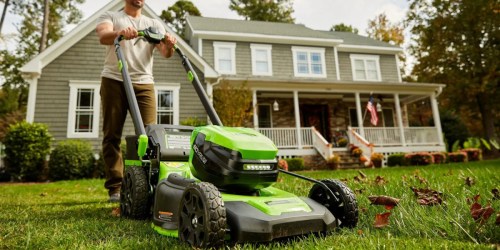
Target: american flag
[{"x": 373, "y": 111}]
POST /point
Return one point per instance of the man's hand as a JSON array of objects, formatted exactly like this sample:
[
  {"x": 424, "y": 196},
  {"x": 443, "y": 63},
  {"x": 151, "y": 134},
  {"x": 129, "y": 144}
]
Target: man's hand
[
  {"x": 166, "y": 46},
  {"x": 128, "y": 33}
]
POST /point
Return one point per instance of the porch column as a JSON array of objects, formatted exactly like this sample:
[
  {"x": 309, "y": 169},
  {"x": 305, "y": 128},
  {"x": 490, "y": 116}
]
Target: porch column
[
  {"x": 437, "y": 119},
  {"x": 254, "y": 105},
  {"x": 400, "y": 119},
  {"x": 30, "y": 110},
  {"x": 297, "y": 118},
  {"x": 359, "y": 114}
]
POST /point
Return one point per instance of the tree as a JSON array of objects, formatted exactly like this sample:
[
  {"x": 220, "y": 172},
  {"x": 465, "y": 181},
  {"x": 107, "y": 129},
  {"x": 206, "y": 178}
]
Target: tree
[
  {"x": 4, "y": 13},
  {"x": 380, "y": 28},
  {"x": 233, "y": 104},
  {"x": 457, "y": 42},
  {"x": 344, "y": 28},
  {"x": 176, "y": 15},
  {"x": 264, "y": 10}
]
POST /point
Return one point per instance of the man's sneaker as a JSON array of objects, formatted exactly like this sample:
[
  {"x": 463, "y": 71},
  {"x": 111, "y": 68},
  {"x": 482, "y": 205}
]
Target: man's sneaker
[{"x": 114, "y": 198}]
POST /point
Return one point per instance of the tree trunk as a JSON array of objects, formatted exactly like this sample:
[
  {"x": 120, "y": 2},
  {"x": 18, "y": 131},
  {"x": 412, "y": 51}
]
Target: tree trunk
[
  {"x": 487, "y": 120},
  {"x": 3, "y": 14},
  {"x": 45, "y": 26}
]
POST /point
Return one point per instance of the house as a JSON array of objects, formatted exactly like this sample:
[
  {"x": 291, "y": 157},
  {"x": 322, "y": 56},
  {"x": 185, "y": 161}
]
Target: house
[{"x": 309, "y": 87}]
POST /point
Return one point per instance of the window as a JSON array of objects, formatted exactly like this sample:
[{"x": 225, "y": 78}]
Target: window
[
  {"x": 83, "y": 112},
  {"x": 365, "y": 68},
  {"x": 309, "y": 62},
  {"x": 265, "y": 119},
  {"x": 167, "y": 107},
  {"x": 261, "y": 59},
  {"x": 224, "y": 58}
]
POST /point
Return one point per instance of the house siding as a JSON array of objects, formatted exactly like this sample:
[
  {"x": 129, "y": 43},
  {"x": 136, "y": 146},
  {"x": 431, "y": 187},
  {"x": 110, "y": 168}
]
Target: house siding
[
  {"x": 282, "y": 59},
  {"x": 84, "y": 61}
]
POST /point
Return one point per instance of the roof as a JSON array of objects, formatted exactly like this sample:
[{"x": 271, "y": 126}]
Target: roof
[
  {"x": 34, "y": 67},
  {"x": 288, "y": 33}
]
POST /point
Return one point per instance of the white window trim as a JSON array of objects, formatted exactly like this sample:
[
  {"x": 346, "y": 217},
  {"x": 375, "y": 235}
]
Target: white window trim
[
  {"x": 74, "y": 86},
  {"x": 376, "y": 58},
  {"x": 174, "y": 87},
  {"x": 268, "y": 49},
  {"x": 308, "y": 50},
  {"x": 232, "y": 47}
]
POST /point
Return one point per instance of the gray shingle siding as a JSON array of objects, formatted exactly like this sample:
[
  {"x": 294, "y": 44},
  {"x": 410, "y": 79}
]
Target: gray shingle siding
[
  {"x": 282, "y": 59},
  {"x": 84, "y": 61}
]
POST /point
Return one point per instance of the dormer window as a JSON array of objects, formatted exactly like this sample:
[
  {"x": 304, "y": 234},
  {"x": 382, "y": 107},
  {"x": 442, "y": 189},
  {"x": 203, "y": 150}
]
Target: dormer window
[
  {"x": 309, "y": 62},
  {"x": 365, "y": 67},
  {"x": 261, "y": 60},
  {"x": 224, "y": 58}
]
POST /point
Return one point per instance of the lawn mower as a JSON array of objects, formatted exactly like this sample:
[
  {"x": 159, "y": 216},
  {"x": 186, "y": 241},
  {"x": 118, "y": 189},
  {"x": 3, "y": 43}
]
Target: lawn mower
[{"x": 213, "y": 184}]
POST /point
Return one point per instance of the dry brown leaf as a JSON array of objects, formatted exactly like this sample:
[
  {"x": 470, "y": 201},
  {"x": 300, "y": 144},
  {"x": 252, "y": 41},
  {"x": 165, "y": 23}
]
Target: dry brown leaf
[
  {"x": 380, "y": 180},
  {"x": 498, "y": 219},
  {"x": 116, "y": 212},
  {"x": 363, "y": 175},
  {"x": 469, "y": 181},
  {"x": 381, "y": 220},
  {"x": 387, "y": 201},
  {"x": 481, "y": 214},
  {"x": 427, "y": 197},
  {"x": 496, "y": 194}
]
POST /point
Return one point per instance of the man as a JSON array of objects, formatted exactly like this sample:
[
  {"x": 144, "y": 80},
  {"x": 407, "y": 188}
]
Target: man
[{"x": 139, "y": 59}]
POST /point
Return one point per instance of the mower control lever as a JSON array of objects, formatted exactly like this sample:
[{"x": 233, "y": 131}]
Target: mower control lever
[{"x": 151, "y": 35}]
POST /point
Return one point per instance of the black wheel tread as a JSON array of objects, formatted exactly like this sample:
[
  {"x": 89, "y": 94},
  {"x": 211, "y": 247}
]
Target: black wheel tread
[{"x": 139, "y": 196}]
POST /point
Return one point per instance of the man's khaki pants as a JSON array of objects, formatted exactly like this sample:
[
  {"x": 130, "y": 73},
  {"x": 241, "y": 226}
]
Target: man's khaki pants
[{"x": 114, "y": 107}]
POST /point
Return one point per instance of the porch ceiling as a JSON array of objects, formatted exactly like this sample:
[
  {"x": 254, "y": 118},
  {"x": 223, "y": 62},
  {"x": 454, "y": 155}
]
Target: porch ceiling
[{"x": 321, "y": 85}]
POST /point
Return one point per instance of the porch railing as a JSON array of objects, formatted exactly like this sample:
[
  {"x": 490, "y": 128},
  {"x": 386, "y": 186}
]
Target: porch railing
[
  {"x": 287, "y": 137},
  {"x": 391, "y": 136},
  {"x": 321, "y": 145},
  {"x": 365, "y": 145}
]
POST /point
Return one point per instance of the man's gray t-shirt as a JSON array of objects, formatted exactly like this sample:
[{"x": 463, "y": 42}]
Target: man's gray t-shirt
[{"x": 139, "y": 56}]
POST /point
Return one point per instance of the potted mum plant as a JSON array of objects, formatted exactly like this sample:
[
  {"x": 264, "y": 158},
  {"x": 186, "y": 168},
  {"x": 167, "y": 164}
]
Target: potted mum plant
[
  {"x": 333, "y": 162},
  {"x": 376, "y": 159}
]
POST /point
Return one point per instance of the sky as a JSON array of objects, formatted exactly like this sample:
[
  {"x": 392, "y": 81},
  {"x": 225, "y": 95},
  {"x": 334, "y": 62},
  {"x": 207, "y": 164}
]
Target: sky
[{"x": 315, "y": 14}]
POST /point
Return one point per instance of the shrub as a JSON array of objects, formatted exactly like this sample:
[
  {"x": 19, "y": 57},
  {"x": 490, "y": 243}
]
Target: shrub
[
  {"x": 295, "y": 164},
  {"x": 26, "y": 147},
  {"x": 457, "y": 157},
  {"x": 473, "y": 154},
  {"x": 439, "y": 157},
  {"x": 357, "y": 152},
  {"x": 194, "y": 121},
  {"x": 419, "y": 159},
  {"x": 70, "y": 160},
  {"x": 396, "y": 160}
]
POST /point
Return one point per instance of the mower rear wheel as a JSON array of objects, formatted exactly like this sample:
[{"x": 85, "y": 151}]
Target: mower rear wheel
[
  {"x": 134, "y": 194},
  {"x": 202, "y": 216},
  {"x": 345, "y": 210}
]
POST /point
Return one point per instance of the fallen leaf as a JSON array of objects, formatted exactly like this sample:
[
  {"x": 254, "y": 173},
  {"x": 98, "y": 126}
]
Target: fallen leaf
[
  {"x": 381, "y": 220},
  {"x": 427, "y": 197},
  {"x": 421, "y": 179},
  {"x": 363, "y": 209},
  {"x": 496, "y": 194},
  {"x": 387, "y": 201},
  {"x": 43, "y": 194},
  {"x": 469, "y": 181},
  {"x": 379, "y": 180},
  {"x": 363, "y": 175},
  {"x": 116, "y": 212},
  {"x": 359, "y": 191},
  {"x": 360, "y": 232},
  {"x": 498, "y": 219},
  {"x": 344, "y": 180},
  {"x": 481, "y": 214}
]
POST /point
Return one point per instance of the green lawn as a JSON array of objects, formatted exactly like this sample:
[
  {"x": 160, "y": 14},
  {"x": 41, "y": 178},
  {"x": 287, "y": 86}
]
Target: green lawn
[{"x": 75, "y": 214}]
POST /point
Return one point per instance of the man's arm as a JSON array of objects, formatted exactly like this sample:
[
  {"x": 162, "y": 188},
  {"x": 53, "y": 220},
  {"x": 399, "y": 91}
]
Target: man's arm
[
  {"x": 166, "y": 46},
  {"x": 107, "y": 35}
]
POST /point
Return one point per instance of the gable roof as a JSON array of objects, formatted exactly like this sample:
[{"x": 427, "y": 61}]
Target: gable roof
[
  {"x": 257, "y": 31},
  {"x": 34, "y": 67},
  {"x": 288, "y": 33}
]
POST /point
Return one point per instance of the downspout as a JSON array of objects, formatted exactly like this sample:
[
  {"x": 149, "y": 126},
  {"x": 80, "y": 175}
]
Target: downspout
[{"x": 210, "y": 92}]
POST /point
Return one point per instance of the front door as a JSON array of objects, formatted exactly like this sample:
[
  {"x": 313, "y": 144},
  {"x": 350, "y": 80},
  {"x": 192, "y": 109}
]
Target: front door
[{"x": 316, "y": 116}]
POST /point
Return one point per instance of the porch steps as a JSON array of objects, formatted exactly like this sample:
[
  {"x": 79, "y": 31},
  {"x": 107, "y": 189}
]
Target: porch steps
[{"x": 347, "y": 161}]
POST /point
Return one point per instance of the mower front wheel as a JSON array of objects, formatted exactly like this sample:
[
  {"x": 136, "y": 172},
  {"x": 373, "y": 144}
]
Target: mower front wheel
[
  {"x": 134, "y": 194},
  {"x": 202, "y": 216},
  {"x": 345, "y": 209}
]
